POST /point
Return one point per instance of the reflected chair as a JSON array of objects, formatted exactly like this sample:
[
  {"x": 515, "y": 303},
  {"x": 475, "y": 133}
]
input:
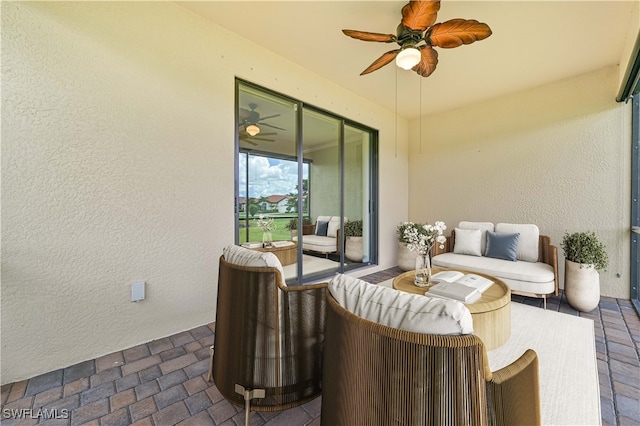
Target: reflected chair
[
  {"x": 269, "y": 338},
  {"x": 375, "y": 374}
]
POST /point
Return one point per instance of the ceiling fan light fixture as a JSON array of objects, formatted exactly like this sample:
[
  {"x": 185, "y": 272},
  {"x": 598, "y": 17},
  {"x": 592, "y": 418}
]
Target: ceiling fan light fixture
[
  {"x": 408, "y": 58},
  {"x": 252, "y": 129}
]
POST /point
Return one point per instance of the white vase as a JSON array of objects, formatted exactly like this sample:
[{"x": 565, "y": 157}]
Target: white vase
[
  {"x": 581, "y": 286},
  {"x": 353, "y": 249},
  {"x": 406, "y": 258}
]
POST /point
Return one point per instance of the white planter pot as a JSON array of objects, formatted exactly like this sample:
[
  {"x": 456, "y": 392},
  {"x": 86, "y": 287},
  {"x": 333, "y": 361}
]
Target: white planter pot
[
  {"x": 581, "y": 286},
  {"x": 406, "y": 258},
  {"x": 353, "y": 249}
]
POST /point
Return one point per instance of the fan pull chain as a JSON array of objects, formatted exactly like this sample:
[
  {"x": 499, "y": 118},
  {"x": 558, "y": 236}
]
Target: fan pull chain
[
  {"x": 396, "y": 116},
  {"x": 420, "y": 116}
]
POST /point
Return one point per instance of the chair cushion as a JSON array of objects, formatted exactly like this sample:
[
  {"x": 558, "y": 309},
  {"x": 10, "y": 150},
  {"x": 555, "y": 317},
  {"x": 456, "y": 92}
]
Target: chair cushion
[
  {"x": 404, "y": 311},
  {"x": 527, "y": 242},
  {"x": 468, "y": 241},
  {"x": 483, "y": 227},
  {"x": 246, "y": 257},
  {"x": 502, "y": 246}
]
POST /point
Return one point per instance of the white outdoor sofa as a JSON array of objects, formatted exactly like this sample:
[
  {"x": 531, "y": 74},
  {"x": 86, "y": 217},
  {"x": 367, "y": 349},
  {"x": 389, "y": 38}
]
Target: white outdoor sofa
[
  {"x": 530, "y": 268},
  {"x": 324, "y": 240}
]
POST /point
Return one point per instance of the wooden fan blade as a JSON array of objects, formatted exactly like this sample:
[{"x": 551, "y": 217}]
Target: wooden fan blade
[
  {"x": 269, "y": 116},
  {"x": 272, "y": 126},
  {"x": 457, "y": 32},
  {"x": 428, "y": 61},
  {"x": 248, "y": 141},
  {"x": 366, "y": 36},
  {"x": 420, "y": 14},
  {"x": 381, "y": 61}
]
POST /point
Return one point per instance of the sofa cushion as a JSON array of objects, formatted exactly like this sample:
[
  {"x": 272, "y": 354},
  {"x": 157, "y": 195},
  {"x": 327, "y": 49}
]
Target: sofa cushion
[
  {"x": 245, "y": 257},
  {"x": 334, "y": 225},
  {"x": 528, "y": 241},
  {"x": 483, "y": 227},
  {"x": 404, "y": 311},
  {"x": 321, "y": 228},
  {"x": 318, "y": 243},
  {"x": 502, "y": 246},
  {"x": 535, "y": 272},
  {"x": 468, "y": 241}
]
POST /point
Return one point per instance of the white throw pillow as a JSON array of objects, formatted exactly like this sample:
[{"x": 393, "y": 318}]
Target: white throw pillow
[
  {"x": 404, "y": 311},
  {"x": 245, "y": 257},
  {"x": 527, "y": 242},
  {"x": 468, "y": 241},
  {"x": 482, "y": 226}
]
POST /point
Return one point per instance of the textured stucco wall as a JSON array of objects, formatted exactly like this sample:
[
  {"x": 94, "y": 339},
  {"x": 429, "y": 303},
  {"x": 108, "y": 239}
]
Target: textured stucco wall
[
  {"x": 117, "y": 166},
  {"x": 557, "y": 156}
]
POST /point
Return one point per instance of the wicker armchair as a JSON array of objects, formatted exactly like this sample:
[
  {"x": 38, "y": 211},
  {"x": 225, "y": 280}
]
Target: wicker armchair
[
  {"x": 379, "y": 375},
  {"x": 269, "y": 338}
]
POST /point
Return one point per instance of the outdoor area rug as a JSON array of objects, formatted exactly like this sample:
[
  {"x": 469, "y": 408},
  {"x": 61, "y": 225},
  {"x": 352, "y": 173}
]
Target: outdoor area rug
[{"x": 565, "y": 344}]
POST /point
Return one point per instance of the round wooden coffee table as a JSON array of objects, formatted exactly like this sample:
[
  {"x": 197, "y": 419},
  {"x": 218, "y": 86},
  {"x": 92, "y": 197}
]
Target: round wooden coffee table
[
  {"x": 287, "y": 254},
  {"x": 491, "y": 313}
]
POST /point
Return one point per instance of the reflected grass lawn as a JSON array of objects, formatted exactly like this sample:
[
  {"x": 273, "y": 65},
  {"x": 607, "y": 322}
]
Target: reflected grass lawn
[{"x": 255, "y": 233}]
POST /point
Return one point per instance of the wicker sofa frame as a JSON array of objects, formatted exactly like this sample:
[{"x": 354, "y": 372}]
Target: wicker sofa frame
[
  {"x": 269, "y": 338},
  {"x": 378, "y": 375}
]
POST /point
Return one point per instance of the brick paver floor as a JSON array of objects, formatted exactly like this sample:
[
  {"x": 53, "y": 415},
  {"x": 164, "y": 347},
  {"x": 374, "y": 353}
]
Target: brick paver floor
[{"x": 164, "y": 382}]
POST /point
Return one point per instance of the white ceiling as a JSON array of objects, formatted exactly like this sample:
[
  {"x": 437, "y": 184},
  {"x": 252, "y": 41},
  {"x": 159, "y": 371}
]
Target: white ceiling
[{"x": 533, "y": 43}]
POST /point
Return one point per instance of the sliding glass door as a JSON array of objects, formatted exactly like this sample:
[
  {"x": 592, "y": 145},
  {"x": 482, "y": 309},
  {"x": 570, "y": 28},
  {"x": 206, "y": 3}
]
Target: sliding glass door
[
  {"x": 302, "y": 174},
  {"x": 635, "y": 204}
]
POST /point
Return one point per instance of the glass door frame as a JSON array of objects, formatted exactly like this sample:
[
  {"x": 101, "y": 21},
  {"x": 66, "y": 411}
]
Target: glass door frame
[
  {"x": 372, "y": 183},
  {"x": 635, "y": 204}
]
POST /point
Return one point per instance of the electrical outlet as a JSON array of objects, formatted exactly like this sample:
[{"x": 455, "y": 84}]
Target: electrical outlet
[{"x": 137, "y": 291}]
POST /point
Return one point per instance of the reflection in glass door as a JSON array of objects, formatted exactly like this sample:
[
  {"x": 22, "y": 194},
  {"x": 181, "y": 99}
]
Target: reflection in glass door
[{"x": 303, "y": 177}]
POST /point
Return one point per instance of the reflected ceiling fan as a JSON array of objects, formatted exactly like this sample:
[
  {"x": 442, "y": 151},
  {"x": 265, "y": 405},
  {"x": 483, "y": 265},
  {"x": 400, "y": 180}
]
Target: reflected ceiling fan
[
  {"x": 418, "y": 33},
  {"x": 250, "y": 122},
  {"x": 244, "y": 136}
]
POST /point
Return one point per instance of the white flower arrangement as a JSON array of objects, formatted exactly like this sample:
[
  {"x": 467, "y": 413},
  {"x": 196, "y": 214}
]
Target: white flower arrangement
[
  {"x": 266, "y": 223},
  {"x": 420, "y": 237}
]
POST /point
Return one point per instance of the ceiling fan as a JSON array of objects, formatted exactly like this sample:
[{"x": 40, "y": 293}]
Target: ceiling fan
[
  {"x": 250, "y": 121},
  {"x": 418, "y": 33},
  {"x": 244, "y": 136}
]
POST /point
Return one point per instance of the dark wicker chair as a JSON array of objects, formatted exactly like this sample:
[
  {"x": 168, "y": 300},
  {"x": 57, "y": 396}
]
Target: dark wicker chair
[
  {"x": 269, "y": 339},
  {"x": 379, "y": 375}
]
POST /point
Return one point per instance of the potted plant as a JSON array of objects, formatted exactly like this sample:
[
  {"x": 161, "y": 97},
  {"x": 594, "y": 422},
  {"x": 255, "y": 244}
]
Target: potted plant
[
  {"x": 353, "y": 240},
  {"x": 307, "y": 226},
  {"x": 406, "y": 258},
  {"x": 585, "y": 255}
]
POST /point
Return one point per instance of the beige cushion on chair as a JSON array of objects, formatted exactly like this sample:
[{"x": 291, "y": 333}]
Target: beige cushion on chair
[
  {"x": 245, "y": 257},
  {"x": 404, "y": 311}
]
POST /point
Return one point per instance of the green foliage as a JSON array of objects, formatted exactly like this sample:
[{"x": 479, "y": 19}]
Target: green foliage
[
  {"x": 402, "y": 235},
  {"x": 353, "y": 228},
  {"x": 253, "y": 209},
  {"x": 293, "y": 223},
  {"x": 585, "y": 248}
]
